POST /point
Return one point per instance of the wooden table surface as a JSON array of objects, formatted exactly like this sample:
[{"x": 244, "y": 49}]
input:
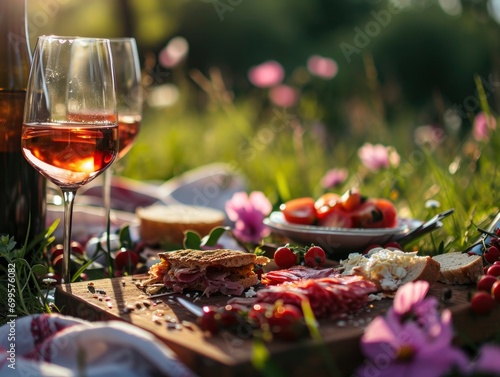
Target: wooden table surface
[{"x": 228, "y": 355}]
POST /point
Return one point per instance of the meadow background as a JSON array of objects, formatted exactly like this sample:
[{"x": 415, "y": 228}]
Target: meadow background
[{"x": 419, "y": 77}]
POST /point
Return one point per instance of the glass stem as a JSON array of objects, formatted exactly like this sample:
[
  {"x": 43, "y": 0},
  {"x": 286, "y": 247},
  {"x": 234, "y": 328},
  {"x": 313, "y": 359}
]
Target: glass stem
[
  {"x": 69, "y": 199},
  {"x": 106, "y": 186}
]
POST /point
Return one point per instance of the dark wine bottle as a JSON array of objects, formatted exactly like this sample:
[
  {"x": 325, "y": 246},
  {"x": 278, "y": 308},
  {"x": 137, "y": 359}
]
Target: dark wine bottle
[{"x": 22, "y": 188}]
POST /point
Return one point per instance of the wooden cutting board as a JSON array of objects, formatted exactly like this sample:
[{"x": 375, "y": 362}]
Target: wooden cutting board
[{"x": 230, "y": 355}]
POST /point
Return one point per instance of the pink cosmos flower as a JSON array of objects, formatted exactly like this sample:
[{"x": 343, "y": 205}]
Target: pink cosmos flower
[
  {"x": 483, "y": 125},
  {"x": 267, "y": 74},
  {"x": 412, "y": 340},
  {"x": 378, "y": 156},
  {"x": 248, "y": 213},
  {"x": 174, "y": 52},
  {"x": 333, "y": 178},
  {"x": 284, "y": 96},
  {"x": 320, "y": 66}
]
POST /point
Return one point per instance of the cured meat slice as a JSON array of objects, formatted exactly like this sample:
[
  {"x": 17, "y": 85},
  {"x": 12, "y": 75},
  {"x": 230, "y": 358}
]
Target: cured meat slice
[
  {"x": 329, "y": 297},
  {"x": 297, "y": 273}
]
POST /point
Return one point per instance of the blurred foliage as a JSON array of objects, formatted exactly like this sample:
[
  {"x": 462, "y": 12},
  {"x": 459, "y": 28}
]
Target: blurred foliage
[{"x": 398, "y": 70}]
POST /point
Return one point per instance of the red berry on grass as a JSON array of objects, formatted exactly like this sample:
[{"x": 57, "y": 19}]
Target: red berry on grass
[
  {"x": 494, "y": 270},
  {"x": 485, "y": 283},
  {"x": 315, "y": 256},
  {"x": 284, "y": 257},
  {"x": 482, "y": 302},
  {"x": 495, "y": 290},
  {"x": 497, "y": 262},
  {"x": 492, "y": 254}
]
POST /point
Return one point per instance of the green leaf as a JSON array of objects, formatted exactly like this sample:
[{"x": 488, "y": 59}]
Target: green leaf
[
  {"x": 213, "y": 237},
  {"x": 125, "y": 238},
  {"x": 192, "y": 240},
  {"x": 39, "y": 269}
]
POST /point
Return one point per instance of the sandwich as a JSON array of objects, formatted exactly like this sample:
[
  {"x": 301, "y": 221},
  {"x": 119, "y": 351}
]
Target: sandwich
[
  {"x": 391, "y": 268},
  {"x": 224, "y": 271}
]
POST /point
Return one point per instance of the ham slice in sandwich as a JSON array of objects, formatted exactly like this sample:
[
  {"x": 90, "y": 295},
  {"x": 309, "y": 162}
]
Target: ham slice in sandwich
[{"x": 224, "y": 271}]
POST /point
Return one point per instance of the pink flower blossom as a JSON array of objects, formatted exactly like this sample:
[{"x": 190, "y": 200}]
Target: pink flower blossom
[
  {"x": 412, "y": 340},
  {"x": 248, "y": 213},
  {"x": 267, "y": 74},
  {"x": 483, "y": 125},
  {"x": 333, "y": 178},
  {"x": 322, "y": 67},
  {"x": 284, "y": 96},
  {"x": 174, "y": 52},
  {"x": 378, "y": 156}
]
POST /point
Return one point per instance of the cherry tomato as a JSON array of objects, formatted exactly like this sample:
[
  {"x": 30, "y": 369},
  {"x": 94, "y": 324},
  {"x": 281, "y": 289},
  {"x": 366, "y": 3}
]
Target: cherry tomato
[
  {"x": 492, "y": 254},
  {"x": 209, "y": 321},
  {"x": 337, "y": 218},
  {"x": 482, "y": 302},
  {"x": 393, "y": 245},
  {"x": 126, "y": 259},
  {"x": 56, "y": 250},
  {"x": 495, "y": 290},
  {"x": 230, "y": 315},
  {"x": 259, "y": 314},
  {"x": 315, "y": 256},
  {"x": 57, "y": 263},
  {"x": 299, "y": 211},
  {"x": 371, "y": 247},
  {"x": 286, "y": 322},
  {"x": 375, "y": 213},
  {"x": 77, "y": 248},
  {"x": 351, "y": 199},
  {"x": 284, "y": 257},
  {"x": 494, "y": 270},
  {"x": 485, "y": 283},
  {"x": 326, "y": 203}
]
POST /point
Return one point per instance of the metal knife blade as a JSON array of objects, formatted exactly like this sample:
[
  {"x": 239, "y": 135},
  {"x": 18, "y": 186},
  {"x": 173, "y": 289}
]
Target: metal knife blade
[{"x": 193, "y": 308}]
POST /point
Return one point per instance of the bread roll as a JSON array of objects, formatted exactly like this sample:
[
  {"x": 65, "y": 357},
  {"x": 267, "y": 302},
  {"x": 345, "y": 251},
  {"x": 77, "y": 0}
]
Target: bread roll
[
  {"x": 167, "y": 224},
  {"x": 459, "y": 268}
]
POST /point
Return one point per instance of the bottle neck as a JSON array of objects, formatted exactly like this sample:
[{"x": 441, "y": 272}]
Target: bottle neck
[{"x": 14, "y": 45}]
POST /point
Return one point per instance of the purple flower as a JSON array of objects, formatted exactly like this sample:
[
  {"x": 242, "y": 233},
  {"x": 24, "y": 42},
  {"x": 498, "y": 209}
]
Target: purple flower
[
  {"x": 320, "y": 66},
  {"x": 333, "y": 178},
  {"x": 483, "y": 124},
  {"x": 412, "y": 340},
  {"x": 284, "y": 96},
  {"x": 267, "y": 74},
  {"x": 248, "y": 212},
  {"x": 488, "y": 361},
  {"x": 378, "y": 156}
]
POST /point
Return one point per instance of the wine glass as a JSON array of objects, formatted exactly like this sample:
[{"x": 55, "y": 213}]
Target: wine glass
[
  {"x": 129, "y": 98},
  {"x": 70, "y": 131}
]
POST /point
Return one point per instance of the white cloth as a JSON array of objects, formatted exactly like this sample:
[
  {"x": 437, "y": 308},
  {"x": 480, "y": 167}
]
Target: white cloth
[{"x": 55, "y": 345}]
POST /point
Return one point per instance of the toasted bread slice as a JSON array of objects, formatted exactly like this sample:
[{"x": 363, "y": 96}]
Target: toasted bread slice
[
  {"x": 206, "y": 258},
  {"x": 459, "y": 268}
]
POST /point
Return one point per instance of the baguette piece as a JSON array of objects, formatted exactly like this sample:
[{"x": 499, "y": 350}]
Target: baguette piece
[
  {"x": 459, "y": 268},
  {"x": 167, "y": 224},
  {"x": 391, "y": 268}
]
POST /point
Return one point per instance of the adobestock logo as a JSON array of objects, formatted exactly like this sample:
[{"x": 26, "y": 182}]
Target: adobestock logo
[{"x": 379, "y": 20}]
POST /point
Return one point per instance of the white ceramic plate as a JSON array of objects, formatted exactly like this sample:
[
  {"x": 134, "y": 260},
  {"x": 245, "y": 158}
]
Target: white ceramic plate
[{"x": 338, "y": 239}]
